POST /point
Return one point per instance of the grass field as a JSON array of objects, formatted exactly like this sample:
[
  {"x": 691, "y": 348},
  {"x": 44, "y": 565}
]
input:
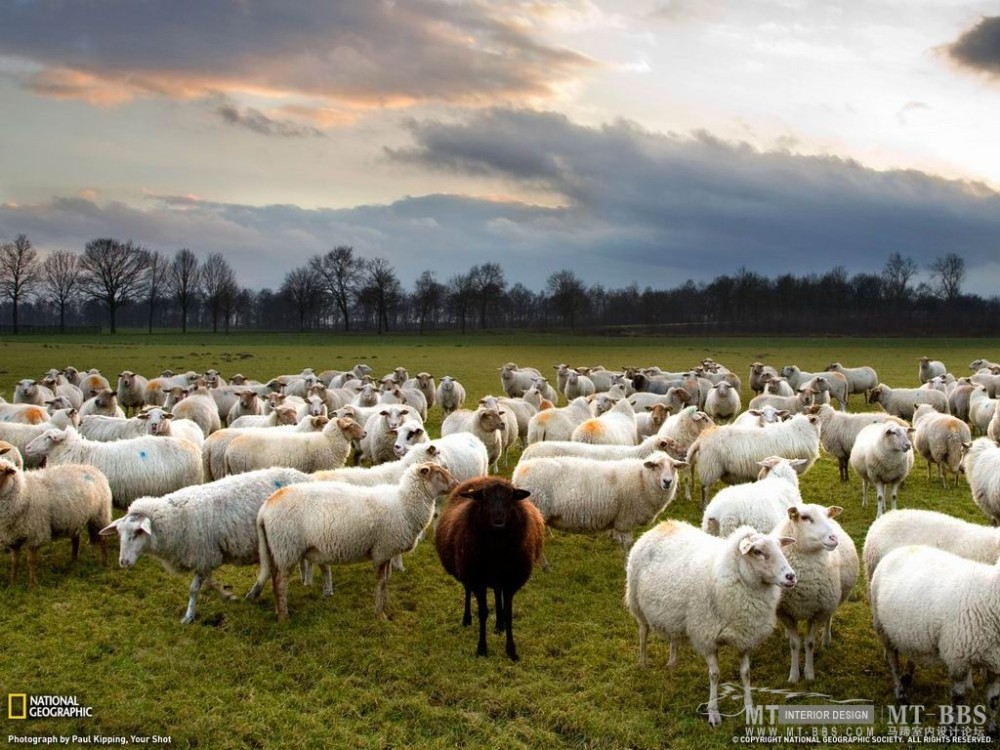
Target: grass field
[{"x": 333, "y": 676}]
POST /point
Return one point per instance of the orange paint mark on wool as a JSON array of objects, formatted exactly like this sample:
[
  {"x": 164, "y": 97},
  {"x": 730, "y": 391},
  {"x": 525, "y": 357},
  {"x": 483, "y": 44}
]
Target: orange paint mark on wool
[
  {"x": 278, "y": 496},
  {"x": 543, "y": 418},
  {"x": 593, "y": 427},
  {"x": 36, "y": 415},
  {"x": 667, "y": 528}
]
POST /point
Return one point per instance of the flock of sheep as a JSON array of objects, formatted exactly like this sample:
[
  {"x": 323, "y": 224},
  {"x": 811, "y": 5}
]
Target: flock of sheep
[{"x": 251, "y": 473}]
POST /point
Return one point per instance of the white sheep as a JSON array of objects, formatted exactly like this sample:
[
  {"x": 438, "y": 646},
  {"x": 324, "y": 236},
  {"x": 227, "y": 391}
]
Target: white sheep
[
  {"x": 411, "y": 397},
  {"x": 162, "y": 423},
  {"x": 931, "y": 604},
  {"x": 377, "y": 444},
  {"x": 559, "y": 423},
  {"x": 900, "y": 402},
  {"x": 305, "y": 451},
  {"x": 158, "y": 388},
  {"x": 198, "y": 405},
  {"x": 818, "y": 592},
  {"x": 485, "y": 424},
  {"x": 760, "y": 417},
  {"x": 578, "y": 385},
  {"x": 722, "y": 402},
  {"x": 899, "y": 528},
  {"x": 777, "y": 386},
  {"x": 407, "y": 435},
  {"x": 463, "y": 454},
  {"x": 675, "y": 399},
  {"x": 839, "y": 430},
  {"x": 581, "y": 495},
  {"x": 108, "y": 429},
  {"x": 882, "y": 455},
  {"x": 10, "y": 454},
  {"x": 213, "y": 449},
  {"x": 981, "y": 408},
  {"x": 732, "y": 453},
  {"x": 762, "y": 504},
  {"x": 615, "y": 427},
  {"x": 792, "y": 404},
  {"x": 649, "y": 420},
  {"x": 131, "y": 390},
  {"x": 510, "y": 431},
  {"x": 30, "y": 391},
  {"x": 516, "y": 380},
  {"x": 942, "y": 440},
  {"x": 198, "y": 529},
  {"x": 332, "y": 522},
  {"x": 982, "y": 470},
  {"x": 859, "y": 379},
  {"x": 136, "y": 467},
  {"x": 450, "y": 395},
  {"x": 550, "y": 448},
  {"x": 39, "y": 506},
  {"x": 19, "y": 435},
  {"x": 929, "y": 368},
  {"x": 279, "y": 416},
  {"x": 681, "y": 582},
  {"x": 22, "y": 413},
  {"x": 247, "y": 404},
  {"x": 103, "y": 403}
]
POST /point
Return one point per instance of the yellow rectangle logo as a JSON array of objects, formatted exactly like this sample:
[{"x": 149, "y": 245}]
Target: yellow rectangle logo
[{"x": 12, "y": 702}]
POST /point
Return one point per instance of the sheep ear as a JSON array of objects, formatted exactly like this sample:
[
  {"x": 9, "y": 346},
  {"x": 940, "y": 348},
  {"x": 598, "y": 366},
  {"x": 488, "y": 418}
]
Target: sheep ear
[
  {"x": 432, "y": 450},
  {"x": 384, "y": 413},
  {"x": 784, "y": 541},
  {"x": 651, "y": 464},
  {"x": 424, "y": 471},
  {"x": 813, "y": 419},
  {"x": 473, "y": 494},
  {"x": 679, "y": 464},
  {"x": 648, "y": 408},
  {"x": 519, "y": 494},
  {"x": 393, "y": 432},
  {"x": 419, "y": 431},
  {"x": 833, "y": 511},
  {"x": 144, "y": 416},
  {"x": 793, "y": 512},
  {"x": 111, "y": 528},
  {"x": 146, "y": 526},
  {"x": 799, "y": 464},
  {"x": 5, "y": 450},
  {"x": 747, "y": 543}
]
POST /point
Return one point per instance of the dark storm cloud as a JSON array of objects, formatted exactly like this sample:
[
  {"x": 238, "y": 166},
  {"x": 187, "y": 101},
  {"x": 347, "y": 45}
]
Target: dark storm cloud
[
  {"x": 629, "y": 205},
  {"x": 979, "y": 47},
  {"x": 369, "y": 54}
]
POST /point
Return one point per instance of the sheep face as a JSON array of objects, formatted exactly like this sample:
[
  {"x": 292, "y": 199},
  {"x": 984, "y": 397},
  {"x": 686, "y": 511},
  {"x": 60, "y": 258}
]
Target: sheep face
[
  {"x": 247, "y": 399},
  {"x": 44, "y": 443},
  {"x": 663, "y": 469},
  {"x": 407, "y": 435},
  {"x": 761, "y": 555},
  {"x": 135, "y": 533},
  {"x": 875, "y": 397},
  {"x": 496, "y": 500},
  {"x": 896, "y": 438},
  {"x": 26, "y": 388},
  {"x": 106, "y": 399},
  {"x": 158, "y": 421},
  {"x": 813, "y": 529},
  {"x": 126, "y": 379},
  {"x": 490, "y": 420},
  {"x": 437, "y": 478},
  {"x": 7, "y": 473}
]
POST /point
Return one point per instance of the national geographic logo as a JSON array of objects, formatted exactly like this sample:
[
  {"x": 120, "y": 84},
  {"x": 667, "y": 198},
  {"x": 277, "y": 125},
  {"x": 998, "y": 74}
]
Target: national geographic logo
[{"x": 23, "y": 706}]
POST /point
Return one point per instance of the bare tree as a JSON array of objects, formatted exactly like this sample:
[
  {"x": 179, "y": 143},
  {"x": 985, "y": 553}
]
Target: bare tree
[
  {"x": 304, "y": 291},
  {"x": 381, "y": 291},
  {"x": 339, "y": 273},
  {"x": 489, "y": 284},
  {"x": 112, "y": 273},
  {"x": 185, "y": 278},
  {"x": 156, "y": 284},
  {"x": 569, "y": 296},
  {"x": 461, "y": 290},
  {"x": 61, "y": 281},
  {"x": 217, "y": 282},
  {"x": 20, "y": 272},
  {"x": 897, "y": 273},
  {"x": 428, "y": 294},
  {"x": 949, "y": 272}
]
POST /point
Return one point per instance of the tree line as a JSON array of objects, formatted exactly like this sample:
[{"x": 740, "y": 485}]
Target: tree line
[{"x": 120, "y": 283}]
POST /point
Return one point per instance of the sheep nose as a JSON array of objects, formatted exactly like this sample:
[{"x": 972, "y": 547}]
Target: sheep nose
[
  {"x": 790, "y": 577},
  {"x": 667, "y": 483}
]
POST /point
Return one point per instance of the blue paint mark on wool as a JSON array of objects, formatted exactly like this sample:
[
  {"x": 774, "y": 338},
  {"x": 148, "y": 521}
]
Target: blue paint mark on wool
[
  {"x": 278, "y": 483},
  {"x": 142, "y": 455}
]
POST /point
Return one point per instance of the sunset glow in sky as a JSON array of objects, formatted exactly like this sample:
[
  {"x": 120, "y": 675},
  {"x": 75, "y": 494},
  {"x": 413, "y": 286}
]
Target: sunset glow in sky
[{"x": 650, "y": 141}]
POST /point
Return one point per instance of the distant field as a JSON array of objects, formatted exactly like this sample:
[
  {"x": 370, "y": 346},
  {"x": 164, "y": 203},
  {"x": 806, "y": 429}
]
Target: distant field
[{"x": 334, "y": 677}]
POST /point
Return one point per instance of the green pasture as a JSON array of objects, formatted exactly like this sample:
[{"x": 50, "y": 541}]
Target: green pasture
[{"x": 334, "y": 677}]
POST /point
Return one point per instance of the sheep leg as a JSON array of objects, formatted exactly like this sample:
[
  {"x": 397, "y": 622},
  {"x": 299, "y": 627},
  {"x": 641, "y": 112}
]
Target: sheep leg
[
  {"x": 103, "y": 543},
  {"x": 508, "y": 617},
  {"x": 32, "y": 566},
  {"x": 483, "y": 614},
  {"x": 815, "y": 627},
  {"x": 992, "y": 700},
  {"x": 828, "y": 631},
  {"x": 864, "y": 492},
  {"x": 75, "y": 543},
  {"x": 498, "y": 603},
  {"x": 672, "y": 660},
  {"x": 714, "y": 717},
  {"x": 892, "y": 657},
  {"x": 306, "y": 572},
  {"x": 745, "y": 679},
  {"x": 958, "y": 679},
  {"x": 397, "y": 563},
  {"x": 643, "y": 638},
  {"x": 880, "y": 495},
  {"x": 15, "y": 563},
  {"x": 467, "y": 615},
  {"x": 382, "y": 573},
  {"x": 794, "y": 645},
  {"x": 895, "y": 494},
  {"x": 279, "y": 580},
  {"x": 842, "y": 463},
  {"x": 193, "y": 590},
  {"x": 327, "y": 581}
]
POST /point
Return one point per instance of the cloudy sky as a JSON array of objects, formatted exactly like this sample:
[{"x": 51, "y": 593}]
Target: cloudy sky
[{"x": 650, "y": 141}]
